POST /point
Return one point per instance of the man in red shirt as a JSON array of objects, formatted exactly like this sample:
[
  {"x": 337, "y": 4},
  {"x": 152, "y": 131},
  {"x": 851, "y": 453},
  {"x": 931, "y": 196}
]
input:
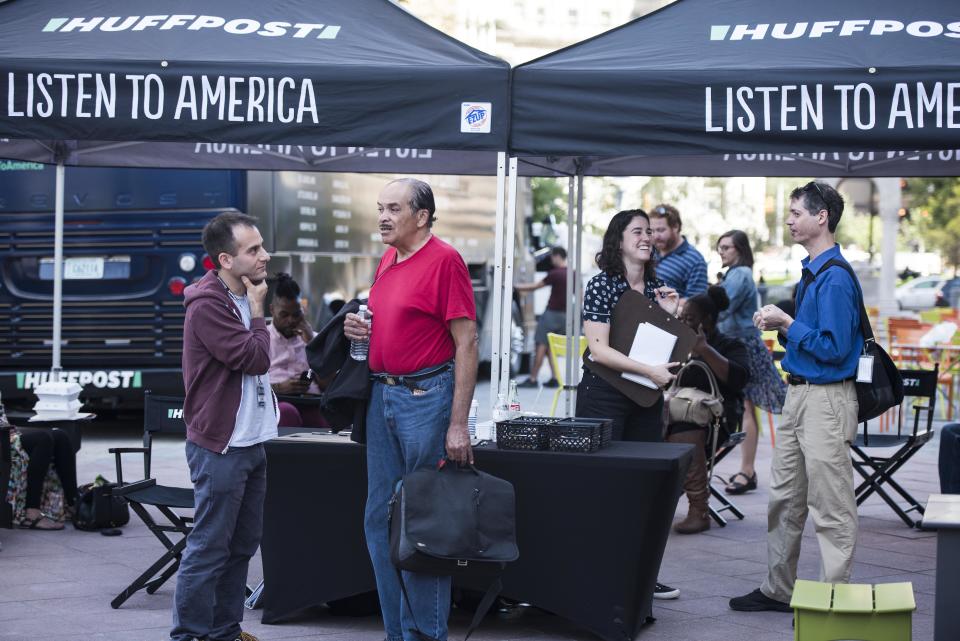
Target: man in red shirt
[
  {"x": 554, "y": 317},
  {"x": 423, "y": 362}
]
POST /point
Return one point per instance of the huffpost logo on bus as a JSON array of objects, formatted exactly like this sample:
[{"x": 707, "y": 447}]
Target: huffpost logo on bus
[{"x": 101, "y": 379}]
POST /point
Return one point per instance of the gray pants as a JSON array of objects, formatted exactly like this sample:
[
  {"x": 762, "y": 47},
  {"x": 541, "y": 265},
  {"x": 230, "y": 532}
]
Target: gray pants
[
  {"x": 812, "y": 473},
  {"x": 228, "y": 521}
]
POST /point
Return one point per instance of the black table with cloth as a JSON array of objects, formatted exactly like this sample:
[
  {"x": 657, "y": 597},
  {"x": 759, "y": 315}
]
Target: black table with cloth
[{"x": 591, "y": 527}]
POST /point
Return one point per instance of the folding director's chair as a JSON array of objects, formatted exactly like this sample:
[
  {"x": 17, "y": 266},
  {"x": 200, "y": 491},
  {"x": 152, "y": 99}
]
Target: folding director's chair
[
  {"x": 879, "y": 471},
  {"x": 161, "y": 415},
  {"x": 726, "y": 505}
]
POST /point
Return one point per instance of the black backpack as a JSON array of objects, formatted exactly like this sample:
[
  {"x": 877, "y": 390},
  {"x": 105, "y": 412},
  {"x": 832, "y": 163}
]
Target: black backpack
[
  {"x": 453, "y": 521},
  {"x": 886, "y": 389}
]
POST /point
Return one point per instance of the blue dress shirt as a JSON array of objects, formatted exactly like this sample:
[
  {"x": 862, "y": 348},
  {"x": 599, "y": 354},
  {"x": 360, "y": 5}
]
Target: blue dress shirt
[{"x": 824, "y": 342}]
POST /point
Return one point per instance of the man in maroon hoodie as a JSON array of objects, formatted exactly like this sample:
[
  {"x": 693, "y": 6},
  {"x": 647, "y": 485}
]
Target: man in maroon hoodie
[{"x": 230, "y": 411}]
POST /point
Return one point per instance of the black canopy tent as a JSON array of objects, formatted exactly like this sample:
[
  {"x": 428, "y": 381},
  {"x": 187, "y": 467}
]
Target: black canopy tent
[
  {"x": 727, "y": 76},
  {"x": 360, "y": 73},
  {"x": 756, "y": 81},
  {"x": 363, "y": 72}
]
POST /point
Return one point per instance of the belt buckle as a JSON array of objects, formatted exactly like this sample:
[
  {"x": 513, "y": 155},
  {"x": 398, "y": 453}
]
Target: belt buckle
[{"x": 390, "y": 380}]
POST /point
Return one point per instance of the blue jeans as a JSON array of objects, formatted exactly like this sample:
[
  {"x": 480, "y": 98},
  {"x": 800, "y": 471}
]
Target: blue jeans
[
  {"x": 405, "y": 431},
  {"x": 228, "y": 494}
]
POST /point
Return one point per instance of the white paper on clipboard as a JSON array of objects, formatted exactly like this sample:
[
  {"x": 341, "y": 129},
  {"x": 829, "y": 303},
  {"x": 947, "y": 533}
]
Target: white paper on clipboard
[{"x": 651, "y": 346}]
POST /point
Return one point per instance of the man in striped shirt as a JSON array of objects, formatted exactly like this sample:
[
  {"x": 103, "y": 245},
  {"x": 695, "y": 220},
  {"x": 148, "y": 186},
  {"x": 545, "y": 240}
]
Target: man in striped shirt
[{"x": 680, "y": 266}]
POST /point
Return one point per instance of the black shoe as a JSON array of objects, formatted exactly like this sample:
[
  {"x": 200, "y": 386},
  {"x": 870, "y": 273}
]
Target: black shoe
[
  {"x": 530, "y": 382},
  {"x": 757, "y": 601},
  {"x": 662, "y": 591},
  {"x": 552, "y": 383}
]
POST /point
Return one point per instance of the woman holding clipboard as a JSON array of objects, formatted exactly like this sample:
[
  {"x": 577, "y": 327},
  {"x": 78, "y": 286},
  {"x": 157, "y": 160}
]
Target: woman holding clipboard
[{"x": 625, "y": 262}]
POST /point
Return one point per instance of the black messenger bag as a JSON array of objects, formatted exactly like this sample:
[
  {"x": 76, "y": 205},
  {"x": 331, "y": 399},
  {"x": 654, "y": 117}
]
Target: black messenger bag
[
  {"x": 454, "y": 521},
  {"x": 97, "y": 508},
  {"x": 886, "y": 389}
]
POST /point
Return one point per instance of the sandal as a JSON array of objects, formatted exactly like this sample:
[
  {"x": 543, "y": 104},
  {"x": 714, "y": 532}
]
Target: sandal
[
  {"x": 34, "y": 524},
  {"x": 735, "y": 486}
]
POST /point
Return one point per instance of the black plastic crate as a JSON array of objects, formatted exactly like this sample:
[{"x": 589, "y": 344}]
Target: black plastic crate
[
  {"x": 579, "y": 434},
  {"x": 524, "y": 433}
]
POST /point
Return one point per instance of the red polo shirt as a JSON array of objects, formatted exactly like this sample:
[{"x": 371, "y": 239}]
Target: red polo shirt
[{"x": 412, "y": 303}]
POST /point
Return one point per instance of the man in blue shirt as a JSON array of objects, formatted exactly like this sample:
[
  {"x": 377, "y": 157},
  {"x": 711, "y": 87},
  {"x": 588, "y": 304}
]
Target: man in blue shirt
[
  {"x": 680, "y": 265},
  {"x": 811, "y": 469}
]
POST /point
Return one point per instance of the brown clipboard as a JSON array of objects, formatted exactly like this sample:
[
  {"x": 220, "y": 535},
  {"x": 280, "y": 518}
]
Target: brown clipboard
[{"x": 632, "y": 309}]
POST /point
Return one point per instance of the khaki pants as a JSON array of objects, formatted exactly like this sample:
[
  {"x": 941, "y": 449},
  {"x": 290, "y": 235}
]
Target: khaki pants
[{"x": 811, "y": 471}]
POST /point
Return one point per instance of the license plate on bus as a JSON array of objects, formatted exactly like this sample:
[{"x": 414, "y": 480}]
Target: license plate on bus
[{"x": 82, "y": 268}]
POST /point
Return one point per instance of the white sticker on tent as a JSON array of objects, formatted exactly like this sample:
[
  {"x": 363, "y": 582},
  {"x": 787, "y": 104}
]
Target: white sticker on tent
[{"x": 475, "y": 117}]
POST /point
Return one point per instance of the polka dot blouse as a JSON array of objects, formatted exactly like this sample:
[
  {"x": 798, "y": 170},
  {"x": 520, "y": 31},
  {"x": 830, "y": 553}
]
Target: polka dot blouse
[{"x": 604, "y": 291}]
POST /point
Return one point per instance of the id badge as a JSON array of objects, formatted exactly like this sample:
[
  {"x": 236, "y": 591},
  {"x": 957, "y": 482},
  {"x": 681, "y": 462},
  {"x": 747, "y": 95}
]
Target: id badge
[{"x": 865, "y": 369}]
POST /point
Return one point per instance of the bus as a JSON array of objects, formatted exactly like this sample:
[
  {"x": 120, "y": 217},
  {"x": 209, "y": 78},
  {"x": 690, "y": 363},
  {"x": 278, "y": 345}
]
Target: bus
[{"x": 132, "y": 244}]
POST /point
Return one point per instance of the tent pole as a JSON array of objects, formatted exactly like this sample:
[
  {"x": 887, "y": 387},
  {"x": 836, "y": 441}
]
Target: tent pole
[
  {"x": 497, "y": 284},
  {"x": 571, "y": 303},
  {"x": 890, "y": 198},
  {"x": 509, "y": 242},
  {"x": 57, "y": 272},
  {"x": 577, "y": 291}
]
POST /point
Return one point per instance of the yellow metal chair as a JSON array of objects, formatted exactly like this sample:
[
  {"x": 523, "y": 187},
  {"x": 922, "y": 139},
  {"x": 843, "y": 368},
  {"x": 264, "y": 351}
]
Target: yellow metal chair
[{"x": 558, "y": 357}]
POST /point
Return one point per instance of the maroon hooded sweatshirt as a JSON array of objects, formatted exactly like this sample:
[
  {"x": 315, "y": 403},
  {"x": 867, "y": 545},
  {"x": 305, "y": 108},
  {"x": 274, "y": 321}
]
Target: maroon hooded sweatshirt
[{"x": 217, "y": 351}]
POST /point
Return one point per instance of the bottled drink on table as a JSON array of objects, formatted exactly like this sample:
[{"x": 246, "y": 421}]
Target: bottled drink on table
[
  {"x": 502, "y": 411},
  {"x": 472, "y": 419},
  {"x": 514, "y": 406},
  {"x": 360, "y": 348}
]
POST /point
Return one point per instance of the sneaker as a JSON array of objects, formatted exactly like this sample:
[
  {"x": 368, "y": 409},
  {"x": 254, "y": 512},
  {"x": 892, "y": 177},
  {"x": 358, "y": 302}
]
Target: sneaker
[
  {"x": 757, "y": 601},
  {"x": 552, "y": 383},
  {"x": 530, "y": 382},
  {"x": 665, "y": 592}
]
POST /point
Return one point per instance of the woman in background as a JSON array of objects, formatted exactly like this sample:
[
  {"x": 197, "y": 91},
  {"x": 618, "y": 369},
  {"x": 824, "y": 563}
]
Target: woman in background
[
  {"x": 765, "y": 388},
  {"x": 727, "y": 359}
]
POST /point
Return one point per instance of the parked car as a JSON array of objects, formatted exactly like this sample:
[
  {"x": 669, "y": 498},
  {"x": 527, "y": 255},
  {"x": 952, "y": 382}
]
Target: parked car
[
  {"x": 948, "y": 295},
  {"x": 920, "y": 293}
]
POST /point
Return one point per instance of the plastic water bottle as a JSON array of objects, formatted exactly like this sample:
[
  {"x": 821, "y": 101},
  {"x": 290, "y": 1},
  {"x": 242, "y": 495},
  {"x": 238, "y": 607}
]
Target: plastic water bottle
[
  {"x": 359, "y": 348},
  {"x": 472, "y": 419},
  {"x": 514, "y": 399}
]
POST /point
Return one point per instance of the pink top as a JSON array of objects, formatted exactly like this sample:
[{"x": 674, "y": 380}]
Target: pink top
[{"x": 288, "y": 358}]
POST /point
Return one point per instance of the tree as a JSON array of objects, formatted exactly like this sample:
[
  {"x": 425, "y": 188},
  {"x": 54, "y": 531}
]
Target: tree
[
  {"x": 935, "y": 209},
  {"x": 549, "y": 199}
]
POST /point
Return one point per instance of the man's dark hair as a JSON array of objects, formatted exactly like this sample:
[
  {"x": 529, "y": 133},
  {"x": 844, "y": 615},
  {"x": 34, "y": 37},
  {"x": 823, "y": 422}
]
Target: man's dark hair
[
  {"x": 286, "y": 287},
  {"x": 816, "y": 196},
  {"x": 218, "y": 234},
  {"x": 610, "y": 257},
  {"x": 671, "y": 213},
  {"x": 421, "y": 197},
  {"x": 742, "y": 244},
  {"x": 559, "y": 251}
]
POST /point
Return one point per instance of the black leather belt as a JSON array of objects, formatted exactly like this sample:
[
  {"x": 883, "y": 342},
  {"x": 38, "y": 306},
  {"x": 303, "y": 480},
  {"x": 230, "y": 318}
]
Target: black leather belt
[
  {"x": 410, "y": 380},
  {"x": 793, "y": 379}
]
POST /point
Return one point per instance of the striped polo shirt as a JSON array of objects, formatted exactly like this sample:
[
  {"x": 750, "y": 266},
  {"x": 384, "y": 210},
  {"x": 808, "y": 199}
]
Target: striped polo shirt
[{"x": 684, "y": 269}]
